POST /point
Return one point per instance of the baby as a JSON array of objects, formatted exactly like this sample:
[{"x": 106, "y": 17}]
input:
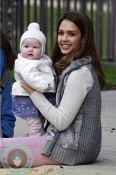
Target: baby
[{"x": 35, "y": 68}]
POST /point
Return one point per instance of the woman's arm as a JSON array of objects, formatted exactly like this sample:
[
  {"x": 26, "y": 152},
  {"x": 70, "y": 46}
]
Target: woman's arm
[
  {"x": 3, "y": 62},
  {"x": 7, "y": 117},
  {"x": 78, "y": 84}
]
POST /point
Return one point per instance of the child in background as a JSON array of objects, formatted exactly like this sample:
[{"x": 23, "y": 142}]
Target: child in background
[{"x": 35, "y": 68}]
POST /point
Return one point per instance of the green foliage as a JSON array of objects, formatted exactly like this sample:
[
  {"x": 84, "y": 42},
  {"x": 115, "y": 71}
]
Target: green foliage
[
  {"x": 110, "y": 73},
  {"x": 12, "y": 76}
]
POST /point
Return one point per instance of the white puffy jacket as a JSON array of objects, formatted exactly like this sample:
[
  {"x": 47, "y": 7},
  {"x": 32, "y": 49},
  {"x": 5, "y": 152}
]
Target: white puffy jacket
[{"x": 36, "y": 73}]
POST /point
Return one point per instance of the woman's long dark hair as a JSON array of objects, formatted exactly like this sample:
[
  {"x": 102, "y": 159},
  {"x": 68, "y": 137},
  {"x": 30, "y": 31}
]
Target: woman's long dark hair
[
  {"x": 5, "y": 44},
  {"x": 87, "y": 48}
]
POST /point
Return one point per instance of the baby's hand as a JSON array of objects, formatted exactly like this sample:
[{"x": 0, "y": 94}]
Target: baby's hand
[{"x": 49, "y": 88}]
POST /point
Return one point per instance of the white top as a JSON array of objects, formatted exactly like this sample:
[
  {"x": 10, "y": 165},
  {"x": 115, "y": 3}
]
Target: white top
[
  {"x": 78, "y": 84},
  {"x": 36, "y": 73}
]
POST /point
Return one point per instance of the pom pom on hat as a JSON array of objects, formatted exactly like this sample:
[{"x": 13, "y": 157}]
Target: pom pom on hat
[
  {"x": 33, "y": 31},
  {"x": 33, "y": 25}
]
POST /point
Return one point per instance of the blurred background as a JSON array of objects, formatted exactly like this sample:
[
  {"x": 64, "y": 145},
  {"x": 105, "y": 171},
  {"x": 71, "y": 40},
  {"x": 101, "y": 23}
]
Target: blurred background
[{"x": 15, "y": 15}]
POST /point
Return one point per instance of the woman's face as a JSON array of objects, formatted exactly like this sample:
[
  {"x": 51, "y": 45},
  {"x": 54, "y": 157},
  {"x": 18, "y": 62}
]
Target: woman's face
[{"x": 69, "y": 36}]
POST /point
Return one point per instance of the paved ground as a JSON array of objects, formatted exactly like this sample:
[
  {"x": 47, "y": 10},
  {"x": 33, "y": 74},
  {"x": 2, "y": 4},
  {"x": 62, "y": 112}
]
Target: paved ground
[{"x": 106, "y": 163}]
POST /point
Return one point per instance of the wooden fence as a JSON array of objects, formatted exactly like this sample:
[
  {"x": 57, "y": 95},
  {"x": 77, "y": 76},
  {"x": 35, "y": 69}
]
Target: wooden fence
[{"x": 17, "y": 14}]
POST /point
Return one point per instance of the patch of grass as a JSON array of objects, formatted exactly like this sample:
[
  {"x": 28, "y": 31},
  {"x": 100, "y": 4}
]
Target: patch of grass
[
  {"x": 12, "y": 76},
  {"x": 110, "y": 73}
]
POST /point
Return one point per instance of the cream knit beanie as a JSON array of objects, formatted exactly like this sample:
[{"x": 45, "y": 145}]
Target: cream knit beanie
[{"x": 33, "y": 31}]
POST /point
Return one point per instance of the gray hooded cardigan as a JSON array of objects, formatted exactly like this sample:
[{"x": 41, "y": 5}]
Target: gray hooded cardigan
[{"x": 80, "y": 143}]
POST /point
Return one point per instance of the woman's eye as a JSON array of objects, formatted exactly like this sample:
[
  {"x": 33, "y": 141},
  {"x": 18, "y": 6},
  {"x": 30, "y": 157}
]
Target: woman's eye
[
  {"x": 60, "y": 33},
  {"x": 71, "y": 34}
]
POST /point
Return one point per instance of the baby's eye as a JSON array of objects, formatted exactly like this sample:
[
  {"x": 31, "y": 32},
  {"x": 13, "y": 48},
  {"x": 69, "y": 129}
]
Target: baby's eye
[
  {"x": 26, "y": 46},
  {"x": 36, "y": 47}
]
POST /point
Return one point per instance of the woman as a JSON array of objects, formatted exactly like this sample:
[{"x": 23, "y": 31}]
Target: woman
[
  {"x": 7, "y": 57},
  {"x": 77, "y": 114}
]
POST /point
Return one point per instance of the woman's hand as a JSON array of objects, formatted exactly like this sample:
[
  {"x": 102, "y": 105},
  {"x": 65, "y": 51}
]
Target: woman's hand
[{"x": 27, "y": 87}]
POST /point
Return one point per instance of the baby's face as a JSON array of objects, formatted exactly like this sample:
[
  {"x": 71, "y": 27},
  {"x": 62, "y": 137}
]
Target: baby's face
[{"x": 31, "y": 49}]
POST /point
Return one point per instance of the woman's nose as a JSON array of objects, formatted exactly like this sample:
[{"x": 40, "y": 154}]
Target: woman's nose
[{"x": 65, "y": 37}]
